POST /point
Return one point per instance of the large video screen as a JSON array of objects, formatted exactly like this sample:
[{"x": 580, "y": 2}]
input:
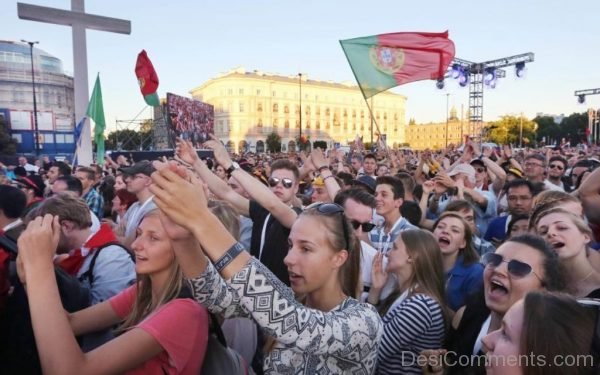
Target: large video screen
[{"x": 189, "y": 119}]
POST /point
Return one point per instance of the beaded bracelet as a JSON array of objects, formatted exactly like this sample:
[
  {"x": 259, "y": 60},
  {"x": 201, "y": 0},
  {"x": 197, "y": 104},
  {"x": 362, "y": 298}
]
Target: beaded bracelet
[{"x": 229, "y": 256}]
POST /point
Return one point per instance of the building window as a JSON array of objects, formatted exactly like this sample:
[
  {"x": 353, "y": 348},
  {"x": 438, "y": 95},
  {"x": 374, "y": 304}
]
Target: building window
[
  {"x": 345, "y": 113},
  {"x": 297, "y": 123},
  {"x": 307, "y": 110},
  {"x": 241, "y": 107},
  {"x": 385, "y": 115},
  {"x": 274, "y": 94},
  {"x": 259, "y": 107},
  {"x": 275, "y": 107},
  {"x": 362, "y": 114},
  {"x": 275, "y": 122},
  {"x": 297, "y": 109},
  {"x": 286, "y": 109},
  {"x": 241, "y": 91},
  {"x": 318, "y": 124},
  {"x": 353, "y": 113},
  {"x": 229, "y": 91},
  {"x": 257, "y": 92},
  {"x": 260, "y": 124},
  {"x": 326, "y": 111},
  {"x": 318, "y": 112},
  {"x": 286, "y": 124},
  {"x": 307, "y": 124}
]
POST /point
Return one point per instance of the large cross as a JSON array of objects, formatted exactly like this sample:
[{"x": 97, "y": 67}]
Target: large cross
[{"x": 79, "y": 22}]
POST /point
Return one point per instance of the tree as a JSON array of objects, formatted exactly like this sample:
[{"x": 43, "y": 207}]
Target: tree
[
  {"x": 572, "y": 128},
  {"x": 128, "y": 139},
  {"x": 507, "y": 130},
  {"x": 273, "y": 142},
  {"x": 8, "y": 145},
  {"x": 548, "y": 131}
]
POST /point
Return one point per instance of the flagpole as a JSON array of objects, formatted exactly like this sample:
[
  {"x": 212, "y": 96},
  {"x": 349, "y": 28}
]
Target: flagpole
[{"x": 374, "y": 121}]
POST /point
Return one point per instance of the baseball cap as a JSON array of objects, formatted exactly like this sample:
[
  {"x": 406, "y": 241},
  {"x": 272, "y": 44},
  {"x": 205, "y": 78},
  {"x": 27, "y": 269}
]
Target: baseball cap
[
  {"x": 465, "y": 169},
  {"x": 143, "y": 167}
]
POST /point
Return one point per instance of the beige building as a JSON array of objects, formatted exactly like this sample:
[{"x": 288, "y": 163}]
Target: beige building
[
  {"x": 251, "y": 105},
  {"x": 433, "y": 135}
]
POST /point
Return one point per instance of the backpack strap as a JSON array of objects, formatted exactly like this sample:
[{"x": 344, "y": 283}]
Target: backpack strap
[{"x": 89, "y": 274}]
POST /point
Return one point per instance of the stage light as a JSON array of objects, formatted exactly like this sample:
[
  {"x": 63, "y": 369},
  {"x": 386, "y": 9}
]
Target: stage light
[
  {"x": 456, "y": 70},
  {"x": 463, "y": 79},
  {"x": 439, "y": 84},
  {"x": 520, "y": 69},
  {"x": 581, "y": 99},
  {"x": 490, "y": 77}
]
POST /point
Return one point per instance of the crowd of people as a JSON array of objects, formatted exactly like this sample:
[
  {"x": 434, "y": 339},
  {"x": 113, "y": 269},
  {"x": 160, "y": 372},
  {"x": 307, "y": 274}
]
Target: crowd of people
[{"x": 465, "y": 260}]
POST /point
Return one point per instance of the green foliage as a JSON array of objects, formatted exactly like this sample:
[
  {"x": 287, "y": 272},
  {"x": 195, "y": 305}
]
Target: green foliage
[
  {"x": 320, "y": 144},
  {"x": 507, "y": 130},
  {"x": 129, "y": 140},
  {"x": 573, "y": 127},
  {"x": 8, "y": 146},
  {"x": 273, "y": 142}
]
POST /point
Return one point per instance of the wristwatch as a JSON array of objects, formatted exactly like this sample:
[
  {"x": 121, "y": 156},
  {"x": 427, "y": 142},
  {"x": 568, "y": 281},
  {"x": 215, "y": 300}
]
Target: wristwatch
[{"x": 233, "y": 167}]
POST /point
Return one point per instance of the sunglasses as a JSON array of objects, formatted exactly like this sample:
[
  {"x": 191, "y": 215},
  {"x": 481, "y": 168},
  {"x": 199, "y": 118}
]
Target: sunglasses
[
  {"x": 556, "y": 166},
  {"x": 515, "y": 268},
  {"x": 333, "y": 209},
  {"x": 366, "y": 227},
  {"x": 286, "y": 182}
]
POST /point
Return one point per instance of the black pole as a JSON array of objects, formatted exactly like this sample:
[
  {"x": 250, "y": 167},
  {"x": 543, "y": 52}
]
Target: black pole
[
  {"x": 300, "y": 109},
  {"x": 447, "y": 97},
  {"x": 35, "y": 117},
  {"x": 371, "y": 113}
]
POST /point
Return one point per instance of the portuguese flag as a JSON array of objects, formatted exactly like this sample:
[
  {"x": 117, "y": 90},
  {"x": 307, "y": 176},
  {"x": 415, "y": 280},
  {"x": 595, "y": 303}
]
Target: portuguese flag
[
  {"x": 380, "y": 62},
  {"x": 147, "y": 79}
]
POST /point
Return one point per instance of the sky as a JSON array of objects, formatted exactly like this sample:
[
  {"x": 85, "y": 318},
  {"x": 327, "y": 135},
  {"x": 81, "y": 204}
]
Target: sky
[{"x": 190, "y": 42}]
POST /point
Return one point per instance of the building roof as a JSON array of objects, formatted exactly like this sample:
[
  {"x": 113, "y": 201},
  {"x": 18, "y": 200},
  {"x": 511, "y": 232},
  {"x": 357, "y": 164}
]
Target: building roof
[{"x": 293, "y": 79}]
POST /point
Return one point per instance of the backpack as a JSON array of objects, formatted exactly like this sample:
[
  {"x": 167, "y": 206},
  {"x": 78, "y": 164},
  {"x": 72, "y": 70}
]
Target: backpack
[
  {"x": 18, "y": 351},
  {"x": 219, "y": 358},
  {"x": 89, "y": 274}
]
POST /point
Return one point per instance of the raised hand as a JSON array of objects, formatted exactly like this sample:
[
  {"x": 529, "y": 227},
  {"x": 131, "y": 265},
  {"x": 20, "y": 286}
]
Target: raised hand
[
  {"x": 507, "y": 150},
  {"x": 183, "y": 201},
  {"x": 428, "y": 187},
  {"x": 221, "y": 154},
  {"x": 186, "y": 152},
  {"x": 38, "y": 243},
  {"x": 317, "y": 157},
  {"x": 378, "y": 275}
]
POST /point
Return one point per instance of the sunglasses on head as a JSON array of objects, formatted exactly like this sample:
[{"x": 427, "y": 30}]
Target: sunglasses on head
[
  {"x": 332, "y": 209},
  {"x": 366, "y": 227},
  {"x": 286, "y": 182},
  {"x": 515, "y": 268}
]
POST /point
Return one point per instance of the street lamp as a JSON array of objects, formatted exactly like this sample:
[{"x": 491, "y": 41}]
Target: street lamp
[
  {"x": 300, "y": 109},
  {"x": 35, "y": 117},
  {"x": 447, "y": 97}
]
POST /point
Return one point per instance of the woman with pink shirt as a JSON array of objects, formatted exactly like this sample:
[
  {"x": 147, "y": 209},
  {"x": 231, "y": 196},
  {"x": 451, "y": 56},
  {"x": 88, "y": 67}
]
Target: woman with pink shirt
[{"x": 161, "y": 331}]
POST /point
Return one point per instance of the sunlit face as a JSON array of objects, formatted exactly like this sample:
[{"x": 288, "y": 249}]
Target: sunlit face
[
  {"x": 398, "y": 257},
  {"x": 384, "y": 197},
  {"x": 220, "y": 171},
  {"x": 534, "y": 168},
  {"x": 519, "y": 227},
  {"x": 501, "y": 288},
  {"x": 369, "y": 166},
  {"x": 450, "y": 234},
  {"x": 120, "y": 183},
  {"x": 53, "y": 174},
  {"x": 562, "y": 234},
  {"x": 319, "y": 194},
  {"x": 503, "y": 346},
  {"x": 383, "y": 170},
  {"x": 137, "y": 183},
  {"x": 361, "y": 213},
  {"x": 356, "y": 164},
  {"x": 153, "y": 250},
  {"x": 85, "y": 181},
  {"x": 311, "y": 261},
  {"x": 556, "y": 169},
  {"x": 520, "y": 200},
  {"x": 284, "y": 194}
]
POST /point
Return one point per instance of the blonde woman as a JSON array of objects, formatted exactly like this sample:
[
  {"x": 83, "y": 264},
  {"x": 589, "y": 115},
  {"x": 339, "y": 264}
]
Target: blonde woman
[
  {"x": 160, "y": 333},
  {"x": 330, "y": 333}
]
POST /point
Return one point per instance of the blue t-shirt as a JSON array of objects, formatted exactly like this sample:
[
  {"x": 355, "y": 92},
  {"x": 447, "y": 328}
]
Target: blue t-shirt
[{"x": 461, "y": 281}]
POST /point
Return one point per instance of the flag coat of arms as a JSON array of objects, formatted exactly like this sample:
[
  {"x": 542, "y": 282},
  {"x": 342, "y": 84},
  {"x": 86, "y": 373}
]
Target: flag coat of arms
[{"x": 380, "y": 62}]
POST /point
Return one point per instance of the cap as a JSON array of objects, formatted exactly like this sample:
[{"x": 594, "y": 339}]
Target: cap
[
  {"x": 465, "y": 169},
  {"x": 143, "y": 167},
  {"x": 367, "y": 182}
]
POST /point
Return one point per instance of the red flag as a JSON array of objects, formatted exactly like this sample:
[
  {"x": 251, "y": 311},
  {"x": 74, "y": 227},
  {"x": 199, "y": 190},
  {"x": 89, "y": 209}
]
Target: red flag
[
  {"x": 147, "y": 79},
  {"x": 380, "y": 62}
]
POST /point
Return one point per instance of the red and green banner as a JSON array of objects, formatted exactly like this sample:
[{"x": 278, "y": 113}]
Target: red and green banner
[
  {"x": 380, "y": 62},
  {"x": 147, "y": 79}
]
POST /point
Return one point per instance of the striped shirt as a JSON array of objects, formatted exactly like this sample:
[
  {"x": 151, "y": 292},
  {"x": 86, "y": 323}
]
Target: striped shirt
[{"x": 414, "y": 325}]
